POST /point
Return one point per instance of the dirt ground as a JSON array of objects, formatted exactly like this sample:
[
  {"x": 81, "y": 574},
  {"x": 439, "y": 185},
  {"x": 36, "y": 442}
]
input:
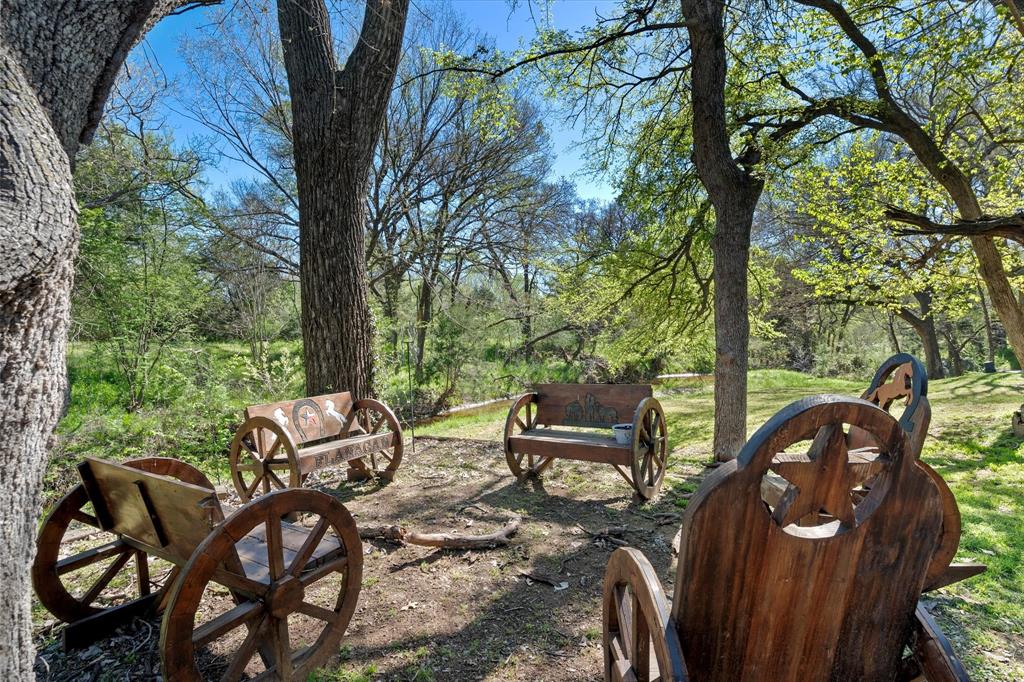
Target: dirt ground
[{"x": 527, "y": 611}]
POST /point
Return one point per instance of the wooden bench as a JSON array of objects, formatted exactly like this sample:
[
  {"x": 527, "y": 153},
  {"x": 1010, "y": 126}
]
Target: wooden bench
[
  {"x": 902, "y": 381},
  {"x": 163, "y": 509},
  {"x": 532, "y": 444},
  {"x": 279, "y": 444},
  {"x": 824, "y": 585}
]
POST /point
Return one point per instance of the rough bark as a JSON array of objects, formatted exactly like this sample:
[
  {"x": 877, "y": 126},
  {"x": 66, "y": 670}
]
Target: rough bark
[
  {"x": 57, "y": 64},
  {"x": 990, "y": 344},
  {"x": 893, "y": 338},
  {"x": 956, "y": 358},
  {"x": 923, "y": 325},
  {"x": 337, "y": 117},
  {"x": 734, "y": 191}
]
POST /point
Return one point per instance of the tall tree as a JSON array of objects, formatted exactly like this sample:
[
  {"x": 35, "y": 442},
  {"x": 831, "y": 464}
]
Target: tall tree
[
  {"x": 951, "y": 96},
  {"x": 337, "y": 116},
  {"x": 734, "y": 189},
  {"x": 58, "y": 62}
]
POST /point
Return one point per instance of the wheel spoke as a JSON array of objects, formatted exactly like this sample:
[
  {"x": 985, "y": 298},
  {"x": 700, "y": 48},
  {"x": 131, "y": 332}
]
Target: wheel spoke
[
  {"x": 273, "y": 449},
  {"x": 225, "y": 622},
  {"x": 308, "y": 547},
  {"x": 252, "y": 488},
  {"x": 624, "y": 608},
  {"x": 337, "y": 565},
  {"x": 83, "y": 517},
  {"x": 271, "y": 475},
  {"x": 90, "y": 557},
  {"x": 377, "y": 426},
  {"x": 640, "y": 644},
  {"x": 244, "y": 653},
  {"x": 521, "y": 424},
  {"x": 142, "y": 572},
  {"x": 282, "y": 648},
  {"x": 643, "y": 432},
  {"x": 266, "y": 483},
  {"x": 318, "y": 612},
  {"x": 108, "y": 575},
  {"x": 275, "y": 546}
]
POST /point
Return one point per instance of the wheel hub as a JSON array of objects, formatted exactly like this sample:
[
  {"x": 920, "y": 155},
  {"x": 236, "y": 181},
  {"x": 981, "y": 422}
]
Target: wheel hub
[{"x": 285, "y": 596}]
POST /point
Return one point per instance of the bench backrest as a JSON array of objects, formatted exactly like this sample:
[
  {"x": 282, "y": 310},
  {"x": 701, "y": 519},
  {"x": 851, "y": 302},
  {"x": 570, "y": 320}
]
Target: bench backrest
[
  {"x": 309, "y": 419},
  {"x": 588, "y": 405},
  {"x": 901, "y": 379},
  {"x": 159, "y": 511},
  {"x": 814, "y": 599}
]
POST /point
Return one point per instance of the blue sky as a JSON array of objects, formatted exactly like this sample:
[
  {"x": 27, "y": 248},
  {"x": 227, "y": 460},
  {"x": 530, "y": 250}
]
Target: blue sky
[{"x": 509, "y": 25}]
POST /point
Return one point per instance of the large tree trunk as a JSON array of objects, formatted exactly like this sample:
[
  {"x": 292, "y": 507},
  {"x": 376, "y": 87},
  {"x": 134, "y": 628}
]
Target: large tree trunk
[
  {"x": 57, "y": 64},
  {"x": 424, "y": 316},
  {"x": 990, "y": 343},
  {"x": 389, "y": 306},
  {"x": 337, "y": 118},
  {"x": 956, "y": 358},
  {"x": 923, "y": 325},
  {"x": 734, "y": 192}
]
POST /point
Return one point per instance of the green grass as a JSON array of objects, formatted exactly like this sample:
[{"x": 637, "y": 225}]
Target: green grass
[{"x": 970, "y": 444}]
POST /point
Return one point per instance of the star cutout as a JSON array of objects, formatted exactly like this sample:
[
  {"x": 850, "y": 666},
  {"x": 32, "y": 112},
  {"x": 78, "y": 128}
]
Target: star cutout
[{"x": 822, "y": 480}]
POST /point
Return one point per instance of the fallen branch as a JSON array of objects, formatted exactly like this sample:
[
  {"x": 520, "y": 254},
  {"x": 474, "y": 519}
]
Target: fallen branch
[{"x": 447, "y": 540}]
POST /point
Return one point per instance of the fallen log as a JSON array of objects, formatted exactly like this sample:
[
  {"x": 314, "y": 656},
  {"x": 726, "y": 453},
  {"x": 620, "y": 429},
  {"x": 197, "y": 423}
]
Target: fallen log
[{"x": 446, "y": 540}]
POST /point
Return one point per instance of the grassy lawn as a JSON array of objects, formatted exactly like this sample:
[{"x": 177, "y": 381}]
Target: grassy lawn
[{"x": 970, "y": 444}]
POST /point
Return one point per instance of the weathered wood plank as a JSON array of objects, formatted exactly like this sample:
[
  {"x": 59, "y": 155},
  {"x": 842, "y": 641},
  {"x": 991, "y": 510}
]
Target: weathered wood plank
[
  {"x": 586, "y": 447},
  {"x": 341, "y": 451},
  {"x": 309, "y": 419},
  {"x": 84, "y": 632},
  {"x": 588, "y": 405},
  {"x": 133, "y": 499}
]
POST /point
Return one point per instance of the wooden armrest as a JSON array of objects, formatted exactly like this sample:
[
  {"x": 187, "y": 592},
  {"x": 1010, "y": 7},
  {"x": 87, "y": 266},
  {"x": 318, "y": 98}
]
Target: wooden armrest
[
  {"x": 954, "y": 573},
  {"x": 637, "y": 617}
]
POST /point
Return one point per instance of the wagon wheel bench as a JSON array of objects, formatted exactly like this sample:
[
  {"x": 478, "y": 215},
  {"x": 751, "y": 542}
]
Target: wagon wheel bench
[
  {"x": 282, "y": 593},
  {"x": 279, "y": 444},
  {"x": 822, "y": 584},
  {"x": 903, "y": 380},
  {"x": 532, "y": 445}
]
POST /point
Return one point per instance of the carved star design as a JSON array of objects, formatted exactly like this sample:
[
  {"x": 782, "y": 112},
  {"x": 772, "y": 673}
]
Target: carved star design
[{"x": 824, "y": 478}]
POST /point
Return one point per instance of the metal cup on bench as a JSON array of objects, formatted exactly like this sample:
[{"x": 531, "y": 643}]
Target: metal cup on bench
[{"x": 532, "y": 444}]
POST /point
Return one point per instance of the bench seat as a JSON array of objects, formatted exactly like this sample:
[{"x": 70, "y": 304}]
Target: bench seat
[
  {"x": 252, "y": 550},
  {"x": 579, "y": 445}
]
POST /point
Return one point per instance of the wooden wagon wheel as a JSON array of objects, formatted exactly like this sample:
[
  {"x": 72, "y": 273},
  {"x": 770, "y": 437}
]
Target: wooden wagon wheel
[
  {"x": 650, "y": 449},
  {"x": 637, "y": 621},
  {"x": 374, "y": 417},
  {"x": 261, "y": 452},
  {"x": 522, "y": 418},
  {"x": 294, "y": 579},
  {"x": 54, "y": 577}
]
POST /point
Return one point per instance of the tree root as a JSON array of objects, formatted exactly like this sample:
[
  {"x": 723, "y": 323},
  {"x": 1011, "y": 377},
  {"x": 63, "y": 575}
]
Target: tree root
[{"x": 446, "y": 540}]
